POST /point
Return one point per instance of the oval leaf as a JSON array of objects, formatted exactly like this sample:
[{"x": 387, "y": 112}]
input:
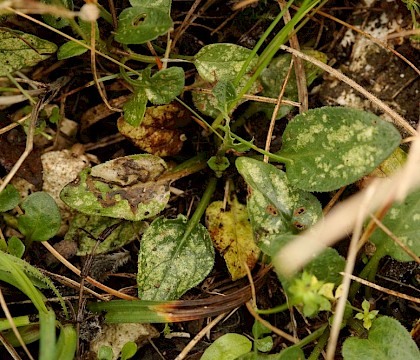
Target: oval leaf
[
  {"x": 125, "y": 188},
  {"x": 387, "y": 340},
  {"x": 42, "y": 219},
  {"x": 274, "y": 206},
  {"x": 140, "y": 24},
  {"x": 70, "y": 49},
  {"x": 232, "y": 236},
  {"x": 228, "y": 347},
  {"x": 404, "y": 221},
  {"x": 331, "y": 147},
  {"x": 165, "y": 85},
  {"x": 19, "y": 50},
  {"x": 9, "y": 198},
  {"x": 170, "y": 263},
  {"x": 221, "y": 61},
  {"x": 86, "y": 229},
  {"x": 135, "y": 108}
]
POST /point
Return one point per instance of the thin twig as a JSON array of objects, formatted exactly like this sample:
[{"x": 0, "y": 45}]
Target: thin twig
[
  {"x": 382, "y": 289},
  {"x": 198, "y": 337}
]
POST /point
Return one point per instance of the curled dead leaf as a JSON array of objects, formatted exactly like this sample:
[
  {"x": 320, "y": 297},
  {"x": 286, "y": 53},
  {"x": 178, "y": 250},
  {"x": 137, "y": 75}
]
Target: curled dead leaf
[{"x": 159, "y": 132}]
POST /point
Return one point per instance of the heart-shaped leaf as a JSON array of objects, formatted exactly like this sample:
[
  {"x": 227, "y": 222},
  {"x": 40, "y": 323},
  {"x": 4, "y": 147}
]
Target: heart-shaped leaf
[
  {"x": 165, "y": 85},
  {"x": 139, "y": 24},
  {"x": 172, "y": 260},
  {"x": 42, "y": 219},
  {"x": 331, "y": 147},
  {"x": 387, "y": 340},
  {"x": 126, "y": 188},
  {"x": 404, "y": 221}
]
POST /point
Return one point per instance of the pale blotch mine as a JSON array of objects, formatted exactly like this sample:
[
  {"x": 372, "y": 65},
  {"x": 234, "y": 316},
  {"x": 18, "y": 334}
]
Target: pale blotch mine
[
  {"x": 416, "y": 217},
  {"x": 308, "y": 136},
  {"x": 393, "y": 213},
  {"x": 362, "y": 158}
]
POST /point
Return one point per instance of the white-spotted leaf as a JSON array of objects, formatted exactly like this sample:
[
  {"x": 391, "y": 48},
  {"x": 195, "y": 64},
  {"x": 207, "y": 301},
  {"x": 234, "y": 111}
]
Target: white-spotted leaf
[
  {"x": 387, "y": 340},
  {"x": 135, "y": 108},
  {"x": 172, "y": 260},
  {"x": 331, "y": 147},
  {"x": 19, "y": 50},
  {"x": 232, "y": 236},
  {"x": 404, "y": 221},
  {"x": 139, "y": 24},
  {"x": 275, "y": 208},
  {"x": 86, "y": 230},
  {"x": 126, "y": 188}
]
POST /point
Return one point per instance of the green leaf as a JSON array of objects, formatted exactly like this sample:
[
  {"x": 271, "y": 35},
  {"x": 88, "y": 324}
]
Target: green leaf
[
  {"x": 404, "y": 221},
  {"x": 82, "y": 226},
  {"x": 221, "y": 62},
  {"x": 125, "y": 188},
  {"x": 387, "y": 340},
  {"x": 331, "y": 147},
  {"x": 128, "y": 350},
  {"x": 161, "y": 88},
  {"x": 57, "y": 22},
  {"x": 42, "y": 219},
  {"x": 327, "y": 266},
  {"x": 170, "y": 263},
  {"x": 135, "y": 108},
  {"x": 291, "y": 353},
  {"x": 47, "y": 344},
  {"x": 15, "y": 247},
  {"x": 228, "y": 347},
  {"x": 216, "y": 62},
  {"x": 70, "y": 49},
  {"x": 9, "y": 198},
  {"x": 264, "y": 344},
  {"x": 139, "y": 24},
  {"x": 165, "y": 85},
  {"x": 105, "y": 353},
  {"x": 159, "y": 4},
  {"x": 19, "y": 50},
  {"x": 225, "y": 94},
  {"x": 67, "y": 343},
  {"x": 274, "y": 206}
]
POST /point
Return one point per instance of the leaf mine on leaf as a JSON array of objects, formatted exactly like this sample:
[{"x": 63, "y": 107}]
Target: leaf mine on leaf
[{"x": 126, "y": 188}]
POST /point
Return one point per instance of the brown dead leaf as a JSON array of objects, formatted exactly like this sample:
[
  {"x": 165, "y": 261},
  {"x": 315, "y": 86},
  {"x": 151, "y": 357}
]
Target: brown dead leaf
[{"x": 159, "y": 132}]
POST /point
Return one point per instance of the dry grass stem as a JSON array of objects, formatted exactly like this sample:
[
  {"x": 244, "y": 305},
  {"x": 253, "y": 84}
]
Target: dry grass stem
[
  {"x": 397, "y": 119},
  {"x": 382, "y": 289}
]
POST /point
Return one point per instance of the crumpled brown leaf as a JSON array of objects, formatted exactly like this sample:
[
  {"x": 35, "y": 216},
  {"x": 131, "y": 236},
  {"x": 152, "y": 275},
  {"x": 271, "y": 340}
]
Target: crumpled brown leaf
[{"x": 159, "y": 132}]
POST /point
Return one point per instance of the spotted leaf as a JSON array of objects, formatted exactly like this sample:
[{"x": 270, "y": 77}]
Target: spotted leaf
[{"x": 331, "y": 147}]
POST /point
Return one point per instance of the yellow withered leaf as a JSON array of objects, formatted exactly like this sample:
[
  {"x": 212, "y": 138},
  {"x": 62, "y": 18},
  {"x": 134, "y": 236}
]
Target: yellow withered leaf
[{"x": 232, "y": 236}]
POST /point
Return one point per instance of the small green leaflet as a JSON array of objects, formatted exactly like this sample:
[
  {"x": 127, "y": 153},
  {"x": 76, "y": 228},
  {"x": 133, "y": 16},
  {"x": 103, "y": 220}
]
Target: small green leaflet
[
  {"x": 387, "y": 340},
  {"x": 331, "y": 147},
  {"x": 42, "y": 218},
  {"x": 404, "y": 220},
  {"x": 142, "y": 23},
  {"x": 126, "y": 188},
  {"x": 19, "y": 50},
  {"x": 57, "y": 22},
  {"x": 171, "y": 263},
  {"x": 161, "y": 88},
  {"x": 228, "y": 346},
  {"x": 9, "y": 198},
  {"x": 70, "y": 49}
]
